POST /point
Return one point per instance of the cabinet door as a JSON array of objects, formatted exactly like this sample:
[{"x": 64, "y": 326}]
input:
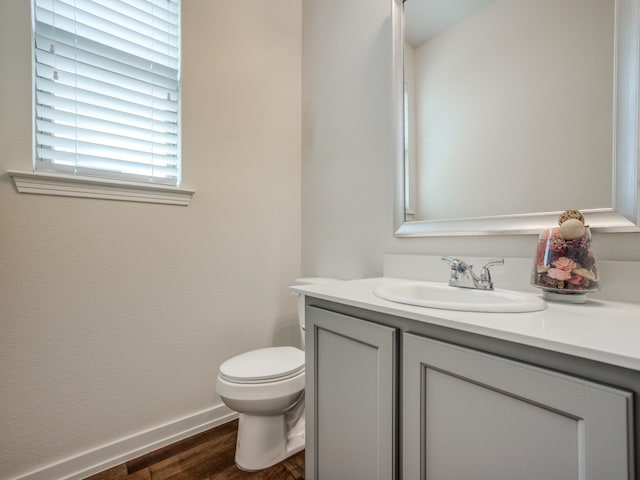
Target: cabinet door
[
  {"x": 470, "y": 415},
  {"x": 350, "y": 398}
]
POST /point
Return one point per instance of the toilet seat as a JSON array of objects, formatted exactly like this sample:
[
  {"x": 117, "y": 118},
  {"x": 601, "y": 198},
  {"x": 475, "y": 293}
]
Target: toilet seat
[{"x": 264, "y": 365}]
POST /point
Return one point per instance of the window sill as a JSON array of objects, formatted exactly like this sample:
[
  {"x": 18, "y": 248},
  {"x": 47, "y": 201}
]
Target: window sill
[{"x": 85, "y": 187}]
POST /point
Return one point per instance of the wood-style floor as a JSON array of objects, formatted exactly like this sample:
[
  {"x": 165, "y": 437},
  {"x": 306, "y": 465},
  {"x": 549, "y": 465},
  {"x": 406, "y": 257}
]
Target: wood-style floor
[{"x": 206, "y": 456}]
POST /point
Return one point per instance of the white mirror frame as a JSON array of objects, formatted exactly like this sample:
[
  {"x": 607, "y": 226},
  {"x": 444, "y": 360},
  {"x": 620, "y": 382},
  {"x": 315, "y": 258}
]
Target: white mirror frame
[{"x": 623, "y": 216}]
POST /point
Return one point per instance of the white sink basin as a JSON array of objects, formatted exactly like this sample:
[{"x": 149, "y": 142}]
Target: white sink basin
[{"x": 444, "y": 297}]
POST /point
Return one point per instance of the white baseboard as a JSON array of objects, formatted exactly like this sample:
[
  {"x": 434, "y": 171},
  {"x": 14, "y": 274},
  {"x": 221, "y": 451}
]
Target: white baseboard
[{"x": 127, "y": 448}]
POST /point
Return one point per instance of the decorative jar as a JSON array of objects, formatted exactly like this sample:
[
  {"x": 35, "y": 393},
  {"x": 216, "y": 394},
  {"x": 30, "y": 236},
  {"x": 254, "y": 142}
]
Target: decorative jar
[{"x": 565, "y": 269}]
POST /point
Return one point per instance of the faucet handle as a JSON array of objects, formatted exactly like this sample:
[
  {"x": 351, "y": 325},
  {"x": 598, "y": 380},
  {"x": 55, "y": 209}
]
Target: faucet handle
[
  {"x": 454, "y": 263},
  {"x": 485, "y": 273},
  {"x": 493, "y": 261},
  {"x": 459, "y": 268}
]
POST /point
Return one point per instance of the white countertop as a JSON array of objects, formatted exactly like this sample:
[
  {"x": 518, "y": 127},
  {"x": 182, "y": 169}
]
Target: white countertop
[{"x": 599, "y": 330}]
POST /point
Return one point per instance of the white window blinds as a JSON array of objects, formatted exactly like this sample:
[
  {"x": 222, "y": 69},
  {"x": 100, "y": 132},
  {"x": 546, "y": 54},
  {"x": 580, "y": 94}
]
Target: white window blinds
[{"x": 107, "y": 97}]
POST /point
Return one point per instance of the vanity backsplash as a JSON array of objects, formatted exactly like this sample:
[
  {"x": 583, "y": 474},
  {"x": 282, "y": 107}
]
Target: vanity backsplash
[{"x": 619, "y": 281}]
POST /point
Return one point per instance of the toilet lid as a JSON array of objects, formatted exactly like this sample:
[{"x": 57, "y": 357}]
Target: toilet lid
[{"x": 263, "y": 365}]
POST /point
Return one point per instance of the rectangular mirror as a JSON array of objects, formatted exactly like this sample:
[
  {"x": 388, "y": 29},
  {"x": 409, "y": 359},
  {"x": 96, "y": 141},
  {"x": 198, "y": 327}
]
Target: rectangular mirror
[{"x": 509, "y": 112}]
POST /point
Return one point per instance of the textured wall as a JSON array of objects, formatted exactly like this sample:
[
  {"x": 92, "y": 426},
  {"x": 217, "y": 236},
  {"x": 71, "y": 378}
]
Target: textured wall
[{"x": 115, "y": 316}]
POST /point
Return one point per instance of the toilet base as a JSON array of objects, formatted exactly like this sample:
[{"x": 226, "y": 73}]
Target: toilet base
[{"x": 264, "y": 441}]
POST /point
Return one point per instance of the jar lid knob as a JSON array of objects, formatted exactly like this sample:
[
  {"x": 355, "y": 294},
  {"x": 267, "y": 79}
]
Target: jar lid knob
[{"x": 569, "y": 214}]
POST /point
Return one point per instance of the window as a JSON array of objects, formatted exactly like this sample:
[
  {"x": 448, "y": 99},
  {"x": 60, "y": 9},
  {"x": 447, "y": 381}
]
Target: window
[{"x": 107, "y": 89}]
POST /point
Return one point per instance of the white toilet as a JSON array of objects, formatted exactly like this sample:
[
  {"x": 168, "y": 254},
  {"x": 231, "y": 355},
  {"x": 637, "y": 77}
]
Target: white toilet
[{"x": 266, "y": 388}]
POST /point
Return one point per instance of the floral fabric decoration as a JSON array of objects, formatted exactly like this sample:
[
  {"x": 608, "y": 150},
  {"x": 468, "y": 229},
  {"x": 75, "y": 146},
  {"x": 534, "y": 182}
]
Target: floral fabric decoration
[{"x": 565, "y": 265}]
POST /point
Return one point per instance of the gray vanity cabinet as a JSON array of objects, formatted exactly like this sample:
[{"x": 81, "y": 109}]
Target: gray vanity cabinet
[
  {"x": 392, "y": 398},
  {"x": 470, "y": 415},
  {"x": 350, "y": 398}
]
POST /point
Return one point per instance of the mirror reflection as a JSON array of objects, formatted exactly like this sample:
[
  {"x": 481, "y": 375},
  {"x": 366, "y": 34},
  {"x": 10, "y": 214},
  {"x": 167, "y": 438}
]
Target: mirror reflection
[{"x": 509, "y": 107}]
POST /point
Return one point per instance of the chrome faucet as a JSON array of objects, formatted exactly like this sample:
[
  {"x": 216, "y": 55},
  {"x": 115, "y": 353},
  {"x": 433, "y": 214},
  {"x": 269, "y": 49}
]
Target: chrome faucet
[{"x": 462, "y": 274}]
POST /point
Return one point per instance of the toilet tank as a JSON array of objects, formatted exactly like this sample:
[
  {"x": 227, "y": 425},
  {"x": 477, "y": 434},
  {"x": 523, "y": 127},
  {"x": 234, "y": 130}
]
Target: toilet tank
[{"x": 307, "y": 281}]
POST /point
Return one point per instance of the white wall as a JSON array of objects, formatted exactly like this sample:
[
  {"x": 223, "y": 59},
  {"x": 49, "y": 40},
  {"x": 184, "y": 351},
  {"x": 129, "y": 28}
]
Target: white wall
[
  {"x": 346, "y": 162},
  {"x": 114, "y": 316},
  {"x": 518, "y": 91},
  {"x": 348, "y": 173}
]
